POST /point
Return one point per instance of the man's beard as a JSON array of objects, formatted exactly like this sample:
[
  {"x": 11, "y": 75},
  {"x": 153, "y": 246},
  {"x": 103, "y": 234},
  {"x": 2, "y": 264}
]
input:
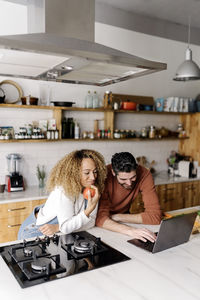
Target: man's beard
[{"x": 128, "y": 187}]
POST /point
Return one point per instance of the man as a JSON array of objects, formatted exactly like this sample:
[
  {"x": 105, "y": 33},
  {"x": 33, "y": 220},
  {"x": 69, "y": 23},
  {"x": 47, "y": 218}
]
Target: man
[{"x": 125, "y": 179}]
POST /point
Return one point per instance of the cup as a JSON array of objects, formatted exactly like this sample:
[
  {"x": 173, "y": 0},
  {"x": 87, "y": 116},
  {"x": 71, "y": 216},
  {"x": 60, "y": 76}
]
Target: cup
[{"x": 2, "y": 188}]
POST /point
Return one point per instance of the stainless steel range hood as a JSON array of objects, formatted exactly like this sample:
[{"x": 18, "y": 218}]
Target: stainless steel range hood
[{"x": 60, "y": 47}]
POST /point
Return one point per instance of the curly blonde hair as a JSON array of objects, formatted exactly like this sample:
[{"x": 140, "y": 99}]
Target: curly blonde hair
[{"x": 66, "y": 172}]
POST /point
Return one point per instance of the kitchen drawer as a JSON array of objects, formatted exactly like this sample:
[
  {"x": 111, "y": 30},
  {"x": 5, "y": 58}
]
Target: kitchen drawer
[
  {"x": 18, "y": 208},
  {"x": 10, "y": 227}
]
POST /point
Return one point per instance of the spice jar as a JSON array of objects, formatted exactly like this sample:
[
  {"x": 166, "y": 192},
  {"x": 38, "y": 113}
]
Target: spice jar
[
  {"x": 144, "y": 132},
  {"x": 152, "y": 132},
  {"x": 117, "y": 134}
]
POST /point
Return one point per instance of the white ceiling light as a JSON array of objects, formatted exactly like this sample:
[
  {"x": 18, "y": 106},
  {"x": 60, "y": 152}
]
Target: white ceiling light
[{"x": 188, "y": 70}]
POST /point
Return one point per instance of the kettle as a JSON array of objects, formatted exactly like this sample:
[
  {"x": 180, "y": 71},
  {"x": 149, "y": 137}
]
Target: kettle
[{"x": 2, "y": 98}]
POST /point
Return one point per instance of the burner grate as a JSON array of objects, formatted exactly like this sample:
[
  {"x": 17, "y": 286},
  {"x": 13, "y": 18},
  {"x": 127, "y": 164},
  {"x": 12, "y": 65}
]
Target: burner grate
[{"x": 42, "y": 267}]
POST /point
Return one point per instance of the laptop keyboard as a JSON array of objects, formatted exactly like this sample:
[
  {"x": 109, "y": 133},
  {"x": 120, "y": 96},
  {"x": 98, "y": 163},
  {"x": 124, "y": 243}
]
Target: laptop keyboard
[{"x": 148, "y": 245}]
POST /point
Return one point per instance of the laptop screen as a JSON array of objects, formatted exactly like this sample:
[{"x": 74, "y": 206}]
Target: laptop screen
[{"x": 173, "y": 232}]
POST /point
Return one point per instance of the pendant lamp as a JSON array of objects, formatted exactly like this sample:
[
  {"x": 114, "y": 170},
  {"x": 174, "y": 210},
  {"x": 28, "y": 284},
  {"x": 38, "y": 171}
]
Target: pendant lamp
[{"x": 188, "y": 70}]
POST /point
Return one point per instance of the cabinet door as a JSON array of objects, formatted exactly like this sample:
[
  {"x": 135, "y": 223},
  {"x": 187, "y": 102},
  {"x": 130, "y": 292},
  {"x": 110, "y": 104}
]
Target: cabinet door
[
  {"x": 170, "y": 196},
  {"x": 137, "y": 206},
  {"x": 191, "y": 193},
  {"x": 12, "y": 215}
]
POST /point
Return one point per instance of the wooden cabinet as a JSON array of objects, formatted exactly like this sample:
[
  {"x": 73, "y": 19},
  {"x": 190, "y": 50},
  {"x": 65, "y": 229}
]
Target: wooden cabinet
[
  {"x": 191, "y": 193},
  {"x": 172, "y": 196},
  {"x": 12, "y": 216}
]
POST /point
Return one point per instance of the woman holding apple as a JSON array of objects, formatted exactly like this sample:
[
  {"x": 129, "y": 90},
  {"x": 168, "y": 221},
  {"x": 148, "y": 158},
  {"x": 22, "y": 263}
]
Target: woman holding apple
[{"x": 78, "y": 176}]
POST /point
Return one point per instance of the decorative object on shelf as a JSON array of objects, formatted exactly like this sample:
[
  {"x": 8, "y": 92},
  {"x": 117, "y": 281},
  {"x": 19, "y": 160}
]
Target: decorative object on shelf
[
  {"x": 41, "y": 174},
  {"x": 2, "y": 98},
  {"x": 16, "y": 85},
  {"x": 89, "y": 100},
  {"x": 6, "y": 132},
  {"x": 188, "y": 70},
  {"x": 29, "y": 100},
  {"x": 95, "y": 100},
  {"x": 2, "y": 188},
  {"x": 142, "y": 160},
  {"x": 129, "y": 105},
  {"x": 63, "y": 103},
  {"x": 159, "y": 104},
  {"x": 108, "y": 99}
]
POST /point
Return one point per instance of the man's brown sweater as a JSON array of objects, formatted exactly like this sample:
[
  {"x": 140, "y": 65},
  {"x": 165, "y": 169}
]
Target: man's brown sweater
[{"x": 117, "y": 200}]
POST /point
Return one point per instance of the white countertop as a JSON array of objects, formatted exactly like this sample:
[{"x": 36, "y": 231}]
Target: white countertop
[
  {"x": 35, "y": 193},
  {"x": 163, "y": 177},
  {"x": 30, "y": 193},
  {"x": 170, "y": 274}
]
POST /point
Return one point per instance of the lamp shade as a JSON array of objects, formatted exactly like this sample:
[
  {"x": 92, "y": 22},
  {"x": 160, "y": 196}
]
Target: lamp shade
[{"x": 188, "y": 70}]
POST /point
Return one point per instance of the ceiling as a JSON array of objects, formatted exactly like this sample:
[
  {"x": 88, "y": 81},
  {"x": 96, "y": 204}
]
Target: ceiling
[{"x": 175, "y": 11}]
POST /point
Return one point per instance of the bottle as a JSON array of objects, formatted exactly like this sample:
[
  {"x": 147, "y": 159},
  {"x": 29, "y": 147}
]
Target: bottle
[
  {"x": 95, "y": 100},
  {"x": 64, "y": 128},
  {"x": 76, "y": 131},
  {"x": 71, "y": 128},
  {"x": 88, "y": 100},
  {"x": 191, "y": 166}
]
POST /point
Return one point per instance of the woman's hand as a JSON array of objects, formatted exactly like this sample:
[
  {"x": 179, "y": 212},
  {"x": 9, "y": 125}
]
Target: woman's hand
[
  {"x": 49, "y": 229},
  {"x": 92, "y": 201}
]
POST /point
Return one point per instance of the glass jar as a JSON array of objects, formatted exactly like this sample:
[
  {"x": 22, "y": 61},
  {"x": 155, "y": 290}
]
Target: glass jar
[
  {"x": 180, "y": 127},
  {"x": 144, "y": 132},
  {"x": 84, "y": 134},
  {"x": 117, "y": 134},
  {"x": 152, "y": 132}
]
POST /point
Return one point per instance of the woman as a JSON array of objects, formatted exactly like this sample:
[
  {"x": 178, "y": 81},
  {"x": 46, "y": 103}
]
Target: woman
[{"x": 65, "y": 209}]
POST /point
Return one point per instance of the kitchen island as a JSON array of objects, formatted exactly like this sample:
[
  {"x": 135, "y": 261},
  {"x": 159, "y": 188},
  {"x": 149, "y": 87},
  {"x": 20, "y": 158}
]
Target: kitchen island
[{"x": 170, "y": 274}]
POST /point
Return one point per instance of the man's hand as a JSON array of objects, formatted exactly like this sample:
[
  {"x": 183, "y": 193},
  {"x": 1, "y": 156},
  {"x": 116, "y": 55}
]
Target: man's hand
[
  {"x": 142, "y": 234},
  {"x": 49, "y": 229}
]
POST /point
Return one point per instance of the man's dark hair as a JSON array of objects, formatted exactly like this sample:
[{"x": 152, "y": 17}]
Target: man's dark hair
[{"x": 123, "y": 162}]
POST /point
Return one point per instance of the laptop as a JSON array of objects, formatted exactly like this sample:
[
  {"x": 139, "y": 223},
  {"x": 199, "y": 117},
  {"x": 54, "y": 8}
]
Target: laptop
[{"x": 173, "y": 232}]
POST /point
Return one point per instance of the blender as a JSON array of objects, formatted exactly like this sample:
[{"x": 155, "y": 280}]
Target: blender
[{"x": 14, "y": 181}]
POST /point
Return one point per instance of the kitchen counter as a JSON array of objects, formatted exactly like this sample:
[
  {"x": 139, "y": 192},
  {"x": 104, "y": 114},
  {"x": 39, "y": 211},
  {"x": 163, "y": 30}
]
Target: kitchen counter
[
  {"x": 30, "y": 193},
  {"x": 170, "y": 274},
  {"x": 164, "y": 178},
  {"x": 35, "y": 193}
]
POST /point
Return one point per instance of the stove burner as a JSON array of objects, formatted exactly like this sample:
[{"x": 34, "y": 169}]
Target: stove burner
[
  {"x": 82, "y": 246},
  {"x": 28, "y": 252},
  {"x": 40, "y": 266}
]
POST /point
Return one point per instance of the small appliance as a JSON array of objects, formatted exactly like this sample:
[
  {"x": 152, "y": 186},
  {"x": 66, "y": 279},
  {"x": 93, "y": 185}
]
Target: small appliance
[{"x": 14, "y": 181}]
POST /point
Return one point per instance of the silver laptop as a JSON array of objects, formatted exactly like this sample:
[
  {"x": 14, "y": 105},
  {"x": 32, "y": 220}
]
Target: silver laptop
[{"x": 173, "y": 232}]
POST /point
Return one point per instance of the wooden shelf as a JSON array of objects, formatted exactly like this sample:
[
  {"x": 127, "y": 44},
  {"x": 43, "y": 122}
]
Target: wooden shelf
[
  {"x": 91, "y": 140},
  {"x": 28, "y": 141},
  {"x": 148, "y": 112},
  {"x": 100, "y": 109},
  {"x": 109, "y": 120}
]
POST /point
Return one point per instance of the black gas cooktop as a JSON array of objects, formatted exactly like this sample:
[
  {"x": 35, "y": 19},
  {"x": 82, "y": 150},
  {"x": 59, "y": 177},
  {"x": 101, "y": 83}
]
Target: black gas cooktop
[{"x": 48, "y": 258}]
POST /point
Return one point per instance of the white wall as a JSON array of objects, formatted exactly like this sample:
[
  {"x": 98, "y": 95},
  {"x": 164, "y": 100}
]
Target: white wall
[{"x": 156, "y": 85}]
